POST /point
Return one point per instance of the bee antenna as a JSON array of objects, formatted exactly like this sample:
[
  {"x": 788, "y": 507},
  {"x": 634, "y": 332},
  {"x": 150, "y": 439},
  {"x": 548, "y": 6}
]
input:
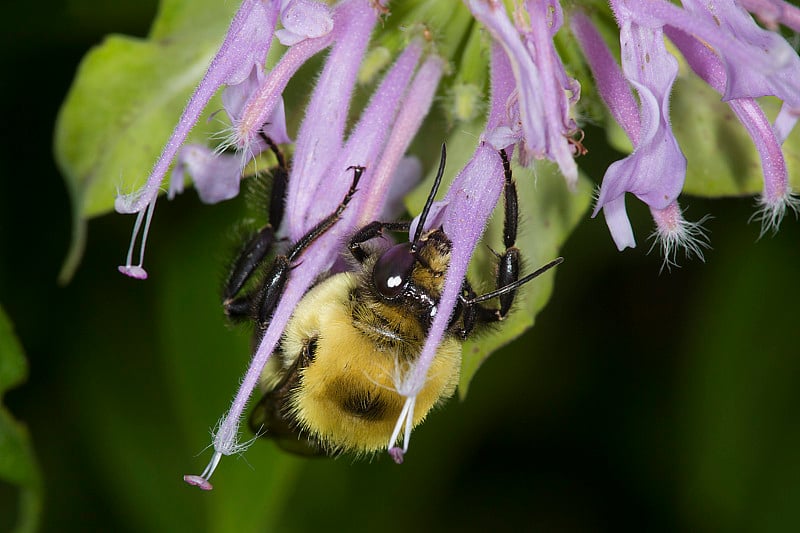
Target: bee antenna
[
  {"x": 436, "y": 182},
  {"x": 517, "y": 284}
]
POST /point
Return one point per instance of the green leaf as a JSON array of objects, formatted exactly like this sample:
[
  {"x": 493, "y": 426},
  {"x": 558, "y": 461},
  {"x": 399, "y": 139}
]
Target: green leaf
[
  {"x": 17, "y": 462},
  {"x": 722, "y": 159},
  {"x": 124, "y": 102},
  {"x": 549, "y": 212}
]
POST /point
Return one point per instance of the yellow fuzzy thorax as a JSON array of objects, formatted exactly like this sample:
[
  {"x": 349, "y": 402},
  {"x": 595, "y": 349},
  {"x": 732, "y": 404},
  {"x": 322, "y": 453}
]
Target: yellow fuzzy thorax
[{"x": 347, "y": 398}]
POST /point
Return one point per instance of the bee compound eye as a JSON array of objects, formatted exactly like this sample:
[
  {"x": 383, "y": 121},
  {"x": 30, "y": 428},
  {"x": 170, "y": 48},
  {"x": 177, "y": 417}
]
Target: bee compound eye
[{"x": 393, "y": 269}]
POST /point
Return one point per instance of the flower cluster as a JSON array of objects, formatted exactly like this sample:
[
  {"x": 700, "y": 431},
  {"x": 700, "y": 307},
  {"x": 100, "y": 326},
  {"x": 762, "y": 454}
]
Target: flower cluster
[
  {"x": 532, "y": 113},
  {"x": 725, "y": 47}
]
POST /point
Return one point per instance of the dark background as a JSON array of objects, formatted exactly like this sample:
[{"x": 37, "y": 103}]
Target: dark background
[{"x": 639, "y": 401}]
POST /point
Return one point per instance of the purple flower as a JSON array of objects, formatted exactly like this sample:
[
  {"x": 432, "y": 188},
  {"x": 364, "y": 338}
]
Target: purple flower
[
  {"x": 463, "y": 213},
  {"x": 539, "y": 108},
  {"x": 728, "y": 50},
  {"x": 321, "y": 138},
  {"x": 244, "y": 47},
  {"x": 656, "y": 169},
  {"x": 377, "y": 142},
  {"x": 777, "y": 195},
  {"x": 531, "y": 111},
  {"x": 216, "y": 175},
  {"x": 261, "y": 104},
  {"x": 303, "y": 19},
  {"x": 740, "y": 86},
  {"x": 252, "y": 101},
  {"x": 234, "y": 98},
  {"x": 774, "y": 12},
  {"x": 673, "y": 233},
  {"x": 757, "y": 62}
]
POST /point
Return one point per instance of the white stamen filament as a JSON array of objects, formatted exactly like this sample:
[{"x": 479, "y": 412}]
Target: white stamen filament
[
  {"x": 129, "y": 269},
  {"x": 409, "y": 422},
  {"x": 211, "y": 466},
  {"x": 404, "y": 414},
  {"x": 407, "y": 416},
  {"x": 202, "y": 480}
]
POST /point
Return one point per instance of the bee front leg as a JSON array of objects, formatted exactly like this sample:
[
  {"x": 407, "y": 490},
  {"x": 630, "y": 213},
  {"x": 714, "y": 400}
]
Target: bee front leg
[
  {"x": 371, "y": 231},
  {"x": 507, "y": 279},
  {"x": 508, "y": 262},
  {"x": 263, "y": 304},
  {"x": 471, "y": 308}
]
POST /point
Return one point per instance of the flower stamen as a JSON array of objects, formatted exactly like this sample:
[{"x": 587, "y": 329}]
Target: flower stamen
[
  {"x": 673, "y": 232},
  {"x": 771, "y": 210},
  {"x": 406, "y": 418},
  {"x": 201, "y": 481},
  {"x": 129, "y": 269}
]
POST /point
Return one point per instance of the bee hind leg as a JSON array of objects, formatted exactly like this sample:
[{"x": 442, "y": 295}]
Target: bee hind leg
[
  {"x": 252, "y": 254},
  {"x": 280, "y": 180}
]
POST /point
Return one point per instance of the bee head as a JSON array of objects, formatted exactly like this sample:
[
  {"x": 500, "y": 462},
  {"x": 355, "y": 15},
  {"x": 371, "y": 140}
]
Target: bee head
[{"x": 419, "y": 262}]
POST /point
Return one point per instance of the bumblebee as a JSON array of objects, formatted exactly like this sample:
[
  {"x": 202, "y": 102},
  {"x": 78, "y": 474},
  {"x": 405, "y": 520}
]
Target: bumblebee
[{"x": 329, "y": 387}]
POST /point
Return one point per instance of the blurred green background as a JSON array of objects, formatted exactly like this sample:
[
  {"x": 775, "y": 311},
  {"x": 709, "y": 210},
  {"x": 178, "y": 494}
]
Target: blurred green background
[{"x": 639, "y": 401}]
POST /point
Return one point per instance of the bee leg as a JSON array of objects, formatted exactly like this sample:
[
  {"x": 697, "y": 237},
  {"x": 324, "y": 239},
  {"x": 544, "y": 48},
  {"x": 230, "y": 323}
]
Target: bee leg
[
  {"x": 507, "y": 266},
  {"x": 253, "y": 253},
  {"x": 267, "y": 297},
  {"x": 471, "y": 310},
  {"x": 376, "y": 228},
  {"x": 242, "y": 269},
  {"x": 280, "y": 180},
  {"x": 370, "y": 231},
  {"x": 463, "y": 320},
  {"x": 508, "y": 262}
]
